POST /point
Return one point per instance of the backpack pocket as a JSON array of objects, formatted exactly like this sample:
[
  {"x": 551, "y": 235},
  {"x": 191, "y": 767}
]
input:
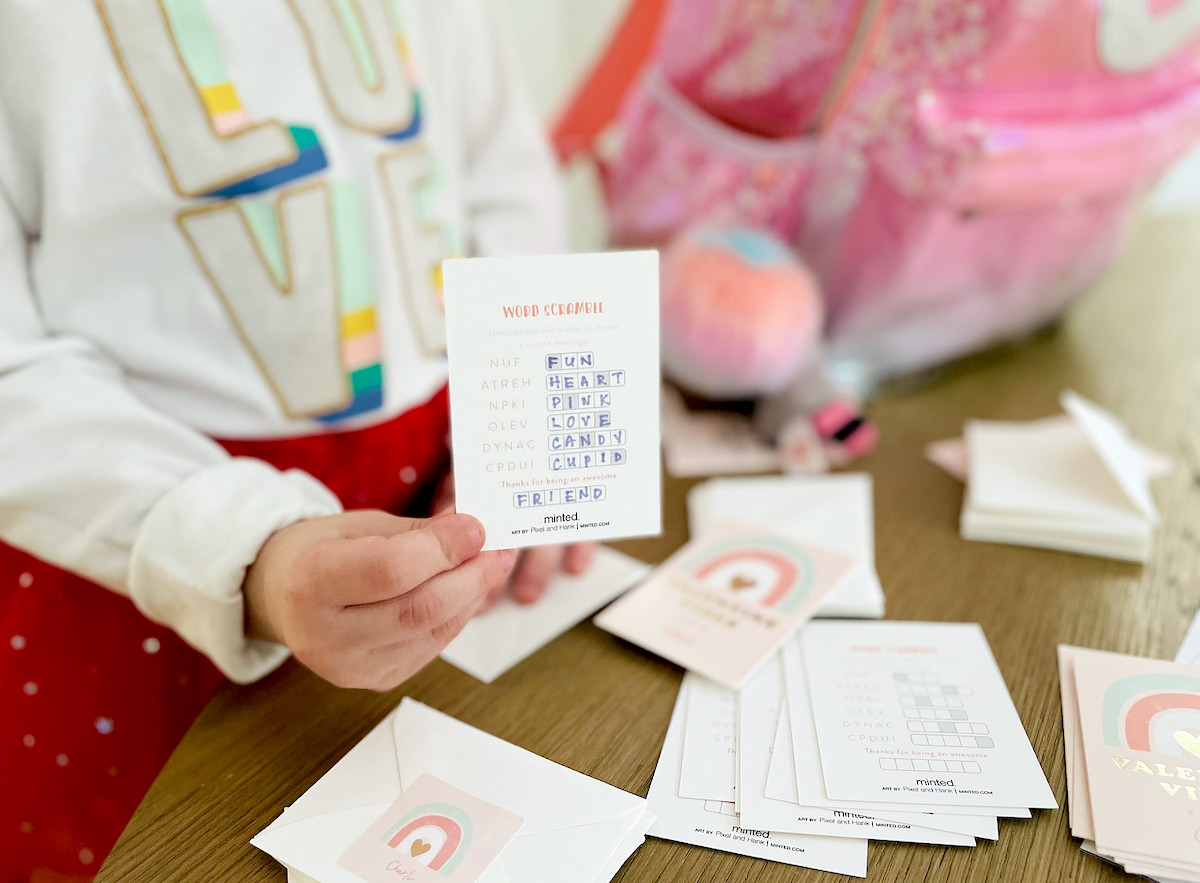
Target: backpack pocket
[
  {"x": 968, "y": 231},
  {"x": 678, "y": 166}
]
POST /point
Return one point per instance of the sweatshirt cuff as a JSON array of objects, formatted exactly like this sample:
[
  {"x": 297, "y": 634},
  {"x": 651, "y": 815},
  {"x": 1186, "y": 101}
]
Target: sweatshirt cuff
[{"x": 193, "y": 549}]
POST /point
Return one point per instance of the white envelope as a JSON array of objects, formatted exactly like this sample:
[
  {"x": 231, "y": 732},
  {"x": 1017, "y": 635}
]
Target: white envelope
[
  {"x": 951, "y": 455},
  {"x": 1042, "y": 484},
  {"x": 1075, "y": 482},
  {"x": 494, "y": 642},
  {"x": 832, "y": 511},
  {"x": 575, "y": 828}
]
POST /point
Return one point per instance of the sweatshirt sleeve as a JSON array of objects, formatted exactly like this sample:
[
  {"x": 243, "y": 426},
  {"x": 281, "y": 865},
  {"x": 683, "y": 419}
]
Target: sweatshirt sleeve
[
  {"x": 94, "y": 481},
  {"x": 514, "y": 195}
]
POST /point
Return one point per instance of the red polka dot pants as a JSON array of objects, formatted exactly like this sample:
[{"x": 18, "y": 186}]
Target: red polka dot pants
[{"x": 95, "y": 697}]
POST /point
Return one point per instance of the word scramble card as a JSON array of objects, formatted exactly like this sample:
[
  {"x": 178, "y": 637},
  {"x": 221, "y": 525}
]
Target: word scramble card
[
  {"x": 917, "y": 712},
  {"x": 554, "y": 396}
]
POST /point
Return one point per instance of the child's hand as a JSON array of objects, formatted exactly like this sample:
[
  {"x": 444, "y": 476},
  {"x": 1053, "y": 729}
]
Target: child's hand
[
  {"x": 537, "y": 565},
  {"x": 366, "y": 599}
]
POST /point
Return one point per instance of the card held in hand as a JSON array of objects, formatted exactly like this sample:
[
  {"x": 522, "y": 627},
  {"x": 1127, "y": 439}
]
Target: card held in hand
[{"x": 554, "y": 396}]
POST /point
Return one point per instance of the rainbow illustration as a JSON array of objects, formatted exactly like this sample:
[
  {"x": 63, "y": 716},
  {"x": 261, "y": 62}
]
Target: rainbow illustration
[
  {"x": 1153, "y": 712},
  {"x": 762, "y": 569},
  {"x": 437, "y": 835},
  {"x": 201, "y": 56}
]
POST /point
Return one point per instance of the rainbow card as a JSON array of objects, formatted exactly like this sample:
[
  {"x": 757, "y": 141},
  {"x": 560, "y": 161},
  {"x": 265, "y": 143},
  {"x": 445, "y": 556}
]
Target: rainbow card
[
  {"x": 432, "y": 832},
  {"x": 1140, "y": 725},
  {"x": 726, "y": 601}
]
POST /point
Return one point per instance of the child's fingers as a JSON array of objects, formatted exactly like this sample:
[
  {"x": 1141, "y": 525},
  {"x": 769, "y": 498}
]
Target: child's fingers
[
  {"x": 376, "y": 570},
  {"x": 492, "y": 598},
  {"x": 392, "y": 665},
  {"x": 537, "y": 567},
  {"x": 579, "y": 558},
  {"x": 373, "y": 523},
  {"x": 428, "y": 608}
]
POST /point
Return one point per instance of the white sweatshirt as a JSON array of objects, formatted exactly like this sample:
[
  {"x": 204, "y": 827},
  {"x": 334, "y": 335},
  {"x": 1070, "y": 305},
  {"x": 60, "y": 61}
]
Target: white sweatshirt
[{"x": 225, "y": 218}]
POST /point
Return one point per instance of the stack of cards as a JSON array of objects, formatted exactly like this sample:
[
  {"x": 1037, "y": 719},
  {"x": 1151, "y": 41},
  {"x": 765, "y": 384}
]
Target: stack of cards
[
  {"x": 892, "y": 731},
  {"x": 832, "y": 511},
  {"x": 1075, "y": 482},
  {"x": 493, "y": 642},
  {"x": 1131, "y": 728},
  {"x": 427, "y": 798},
  {"x": 693, "y": 791}
]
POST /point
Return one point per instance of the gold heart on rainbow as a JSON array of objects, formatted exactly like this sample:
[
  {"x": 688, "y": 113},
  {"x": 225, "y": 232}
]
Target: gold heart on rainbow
[{"x": 1188, "y": 742}]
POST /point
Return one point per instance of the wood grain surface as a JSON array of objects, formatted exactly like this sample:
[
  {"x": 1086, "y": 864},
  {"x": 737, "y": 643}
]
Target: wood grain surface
[{"x": 601, "y": 707}]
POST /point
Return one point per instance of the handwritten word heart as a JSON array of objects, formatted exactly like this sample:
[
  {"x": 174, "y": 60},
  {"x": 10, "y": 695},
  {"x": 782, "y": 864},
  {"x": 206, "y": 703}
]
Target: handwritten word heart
[
  {"x": 419, "y": 847},
  {"x": 1188, "y": 742}
]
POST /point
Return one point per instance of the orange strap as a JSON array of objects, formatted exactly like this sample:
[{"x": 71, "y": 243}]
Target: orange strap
[{"x": 597, "y": 101}]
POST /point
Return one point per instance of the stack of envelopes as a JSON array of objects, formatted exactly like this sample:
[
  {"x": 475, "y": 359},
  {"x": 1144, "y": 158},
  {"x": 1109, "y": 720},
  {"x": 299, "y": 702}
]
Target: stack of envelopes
[
  {"x": 1075, "y": 482},
  {"x": 856, "y": 731},
  {"x": 1131, "y": 728},
  {"x": 424, "y": 796}
]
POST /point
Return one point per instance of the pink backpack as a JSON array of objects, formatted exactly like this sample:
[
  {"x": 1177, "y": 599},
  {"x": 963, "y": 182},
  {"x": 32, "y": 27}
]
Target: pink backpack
[{"x": 955, "y": 173}]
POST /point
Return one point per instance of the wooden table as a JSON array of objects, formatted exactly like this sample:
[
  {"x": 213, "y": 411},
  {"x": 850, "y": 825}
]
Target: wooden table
[{"x": 600, "y": 707}]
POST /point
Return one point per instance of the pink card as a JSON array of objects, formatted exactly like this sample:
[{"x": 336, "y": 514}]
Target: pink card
[
  {"x": 726, "y": 601},
  {"x": 1140, "y": 720},
  {"x": 433, "y": 832}
]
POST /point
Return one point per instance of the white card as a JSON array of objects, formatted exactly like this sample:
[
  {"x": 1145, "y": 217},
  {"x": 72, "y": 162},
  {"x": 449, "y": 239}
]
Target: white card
[
  {"x": 707, "y": 769},
  {"x": 781, "y": 785},
  {"x": 714, "y": 824},
  {"x": 493, "y": 642},
  {"x": 918, "y": 713},
  {"x": 554, "y": 385},
  {"x": 810, "y": 782},
  {"x": 760, "y": 715}
]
